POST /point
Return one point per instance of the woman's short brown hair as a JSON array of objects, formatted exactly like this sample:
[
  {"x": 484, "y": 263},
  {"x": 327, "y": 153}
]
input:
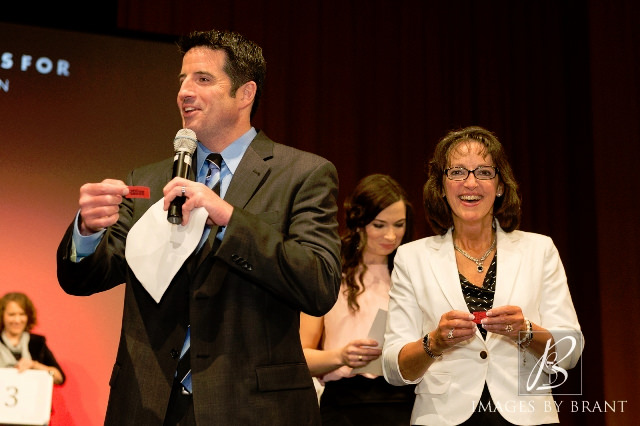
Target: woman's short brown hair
[
  {"x": 24, "y": 302},
  {"x": 505, "y": 208}
]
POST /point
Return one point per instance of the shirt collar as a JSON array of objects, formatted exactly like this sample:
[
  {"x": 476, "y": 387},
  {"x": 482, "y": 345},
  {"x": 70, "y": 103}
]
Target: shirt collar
[{"x": 231, "y": 155}]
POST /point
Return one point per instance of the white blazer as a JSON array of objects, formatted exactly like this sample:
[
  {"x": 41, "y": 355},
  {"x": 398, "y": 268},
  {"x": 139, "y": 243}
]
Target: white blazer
[{"x": 425, "y": 285}]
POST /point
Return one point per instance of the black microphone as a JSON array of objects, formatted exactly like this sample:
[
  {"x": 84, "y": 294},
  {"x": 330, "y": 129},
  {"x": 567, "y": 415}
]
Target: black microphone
[{"x": 184, "y": 144}]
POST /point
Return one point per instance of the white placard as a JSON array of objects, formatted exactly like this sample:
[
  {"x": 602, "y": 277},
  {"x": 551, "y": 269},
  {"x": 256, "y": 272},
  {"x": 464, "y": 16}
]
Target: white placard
[
  {"x": 376, "y": 332},
  {"x": 25, "y": 398}
]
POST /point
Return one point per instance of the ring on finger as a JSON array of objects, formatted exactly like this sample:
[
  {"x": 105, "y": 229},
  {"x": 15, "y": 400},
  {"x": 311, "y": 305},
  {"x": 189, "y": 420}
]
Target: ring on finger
[
  {"x": 450, "y": 334},
  {"x": 508, "y": 328},
  {"x": 359, "y": 357},
  {"x": 183, "y": 189}
]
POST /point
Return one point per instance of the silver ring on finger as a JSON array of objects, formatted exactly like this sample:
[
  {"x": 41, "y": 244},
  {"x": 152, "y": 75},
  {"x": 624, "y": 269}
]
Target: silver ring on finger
[
  {"x": 508, "y": 328},
  {"x": 184, "y": 190},
  {"x": 450, "y": 334}
]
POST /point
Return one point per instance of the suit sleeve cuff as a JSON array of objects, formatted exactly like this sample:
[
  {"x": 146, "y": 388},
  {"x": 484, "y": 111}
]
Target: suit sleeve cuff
[{"x": 81, "y": 245}]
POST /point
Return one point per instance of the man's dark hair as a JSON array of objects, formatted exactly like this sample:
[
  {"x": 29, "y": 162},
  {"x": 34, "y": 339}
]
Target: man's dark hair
[{"x": 244, "y": 58}]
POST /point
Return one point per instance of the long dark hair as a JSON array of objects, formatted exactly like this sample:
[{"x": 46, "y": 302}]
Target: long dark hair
[{"x": 371, "y": 195}]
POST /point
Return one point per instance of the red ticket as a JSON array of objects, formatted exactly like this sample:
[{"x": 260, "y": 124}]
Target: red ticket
[
  {"x": 138, "y": 192},
  {"x": 478, "y": 316}
]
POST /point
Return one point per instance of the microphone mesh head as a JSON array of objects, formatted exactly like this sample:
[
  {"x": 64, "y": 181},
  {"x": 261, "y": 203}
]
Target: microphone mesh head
[{"x": 185, "y": 140}]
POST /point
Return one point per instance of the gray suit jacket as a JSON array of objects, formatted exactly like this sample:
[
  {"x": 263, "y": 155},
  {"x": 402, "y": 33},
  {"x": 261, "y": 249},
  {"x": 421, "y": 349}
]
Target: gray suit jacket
[{"x": 242, "y": 296}]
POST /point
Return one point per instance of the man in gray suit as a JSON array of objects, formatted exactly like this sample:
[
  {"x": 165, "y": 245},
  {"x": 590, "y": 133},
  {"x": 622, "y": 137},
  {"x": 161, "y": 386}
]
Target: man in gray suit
[{"x": 270, "y": 250}]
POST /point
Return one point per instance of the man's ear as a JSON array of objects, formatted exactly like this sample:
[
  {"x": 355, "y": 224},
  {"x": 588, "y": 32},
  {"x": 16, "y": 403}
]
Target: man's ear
[{"x": 247, "y": 92}]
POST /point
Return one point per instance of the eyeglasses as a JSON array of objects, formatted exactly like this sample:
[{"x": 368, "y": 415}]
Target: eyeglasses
[{"x": 480, "y": 173}]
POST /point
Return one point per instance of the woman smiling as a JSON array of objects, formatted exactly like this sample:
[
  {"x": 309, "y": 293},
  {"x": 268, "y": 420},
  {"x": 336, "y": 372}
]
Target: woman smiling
[{"x": 475, "y": 307}]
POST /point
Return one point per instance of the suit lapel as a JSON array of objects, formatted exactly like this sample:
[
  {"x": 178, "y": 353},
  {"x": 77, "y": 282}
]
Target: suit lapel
[
  {"x": 509, "y": 260},
  {"x": 250, "y": 173},
  {"x": 443, "y": 265}
]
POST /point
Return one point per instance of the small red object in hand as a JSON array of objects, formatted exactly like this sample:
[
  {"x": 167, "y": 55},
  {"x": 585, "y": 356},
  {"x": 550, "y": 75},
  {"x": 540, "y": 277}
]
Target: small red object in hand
[
  {"x": 138, "y": 192},
  {"x": 478, "y": 316}
]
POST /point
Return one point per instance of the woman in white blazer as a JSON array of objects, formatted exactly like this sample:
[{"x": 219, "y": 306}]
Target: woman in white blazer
[{"x": 479, "y": 368}]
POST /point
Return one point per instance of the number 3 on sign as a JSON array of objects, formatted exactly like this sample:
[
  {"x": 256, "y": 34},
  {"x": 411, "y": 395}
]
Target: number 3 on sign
[
  {"x": 12, "y": 396},
  {"x": 25, "y": 398}
]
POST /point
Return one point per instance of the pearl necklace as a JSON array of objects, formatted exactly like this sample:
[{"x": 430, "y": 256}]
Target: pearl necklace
[{"x": 477, "y": 261}]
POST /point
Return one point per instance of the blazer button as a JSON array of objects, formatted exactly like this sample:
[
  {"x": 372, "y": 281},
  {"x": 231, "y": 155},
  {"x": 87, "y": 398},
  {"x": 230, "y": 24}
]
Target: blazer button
[
  {"x": 483, "y": 354},
  {"x": 174, "y": 354}
]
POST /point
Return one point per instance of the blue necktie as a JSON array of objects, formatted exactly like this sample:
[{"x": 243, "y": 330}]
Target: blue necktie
[
  {"x": 213, "y": 174},
  {"x": 212, "y": 180},
  {"x": 184, "y": 364}
]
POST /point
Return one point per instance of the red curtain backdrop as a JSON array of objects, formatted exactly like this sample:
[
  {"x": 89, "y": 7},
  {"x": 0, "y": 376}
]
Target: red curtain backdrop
[{"x": 373, "y": 84}]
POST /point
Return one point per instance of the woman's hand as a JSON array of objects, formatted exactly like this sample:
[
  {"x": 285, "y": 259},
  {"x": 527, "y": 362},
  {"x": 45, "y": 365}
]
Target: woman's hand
[
  {"x": 505, "y": 320},
  {"x": 454, "y": 327},
  {"x": 29, "y": 364},
  {"x": 26, "y": 364},
  {"x": 360, "y": 352}
]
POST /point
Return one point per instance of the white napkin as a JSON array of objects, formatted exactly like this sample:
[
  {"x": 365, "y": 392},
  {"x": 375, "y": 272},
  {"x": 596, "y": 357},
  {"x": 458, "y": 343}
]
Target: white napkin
[{"x": 156, "y": 249}]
